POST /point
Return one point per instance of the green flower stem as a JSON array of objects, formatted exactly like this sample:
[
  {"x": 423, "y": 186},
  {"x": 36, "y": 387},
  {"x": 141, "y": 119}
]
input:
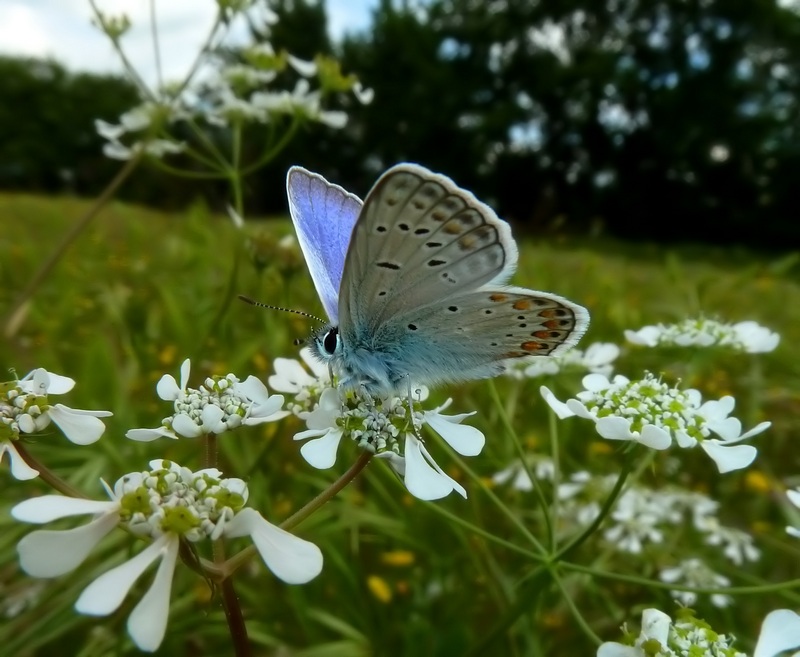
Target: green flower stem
[
  {"x": 223, "y": 571},
  {"x": 46, "y": 475},
  {"x": 211, "y": 452},
  {"x": 523, "y": 457},
  {"x": 525, "y": 602},
  {"x": 19, "y": 310},
  {"x": 555, "y": 455},
  {"x": 272, "y": 151},
  {"x": 130, "y": 69},
  {"x": 778, "y": 587},
  {"x": 235, "y": 618},
  {"x": 607, "y": 506},
  {"x": 755, "y": 386},
  {"x": 458, "y": 520},
  {"x": 513, "y": 517},
  {"x": 576, "y": 614}
]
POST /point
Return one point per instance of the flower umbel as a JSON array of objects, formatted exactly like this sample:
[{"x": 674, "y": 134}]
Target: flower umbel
[
  {"x": 166, "y": 504},
  {"x": 663, "y": 637},
  {"x": 748, "y": 336},
  {"x": 387, "y": 428},
  {"x": 650, "y": 412},
  {"x": 696, "y": 574},
  {"x": 25, "y": 408},
  {"x": 220, "y": 405}
]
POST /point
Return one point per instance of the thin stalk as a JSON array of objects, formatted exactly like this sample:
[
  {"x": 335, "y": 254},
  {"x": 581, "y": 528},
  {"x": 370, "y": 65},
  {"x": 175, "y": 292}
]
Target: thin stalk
[
  {"x": 46, "y": 475},
  {"x": 523, "y": 458},
  {"x": 239, "y": 559},
  {"x": 21, "y": 306}
]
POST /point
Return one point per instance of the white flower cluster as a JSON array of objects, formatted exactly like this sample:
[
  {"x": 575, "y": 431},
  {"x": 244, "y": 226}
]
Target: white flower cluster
[
  {"x": 166, "y": 503},
  {"x": 645, "y": 515},
  {"x": 222, "y": 404},
  {"x": 650, "y": 412},
  {"x": 695, "y": 573},
  {"x": 231, "y": 94},
  {"x": 25, "y": 408},
  {"x": 747, "y": 336},
  {"x": 598, "y": 358},
  {"x": 662, "y": 637},
  {"x": 389, "y": 428}
]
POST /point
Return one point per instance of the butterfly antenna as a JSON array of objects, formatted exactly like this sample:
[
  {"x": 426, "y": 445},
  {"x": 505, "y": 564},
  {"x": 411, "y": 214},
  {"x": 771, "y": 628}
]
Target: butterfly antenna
[{"x": 253, "y": 302}]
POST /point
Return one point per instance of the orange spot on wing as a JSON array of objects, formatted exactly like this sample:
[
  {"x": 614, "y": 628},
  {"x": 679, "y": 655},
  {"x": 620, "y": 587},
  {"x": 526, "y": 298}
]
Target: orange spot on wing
[
  {"x": 551, "y": 323},
  {"x": 550, "y": 312},
  {"x": 542, "y": 335},
  {"x": 498, "y": 297},
  {"x": 522, "y": 304},
  {"x": 453, "y": 228},
  {"x": 533, "y": 346}
]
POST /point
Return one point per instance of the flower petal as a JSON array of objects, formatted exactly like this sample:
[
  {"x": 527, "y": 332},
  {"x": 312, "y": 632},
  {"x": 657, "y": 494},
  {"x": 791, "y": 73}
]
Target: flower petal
[
  {"x": 106, "y": 593},
  {"x": 185, "y": 426},
  {"x": 655, "y": 437},
  {"x": 615, "y": 427},
  {"x": 45, "y": 553},
  {"x": 727, "y": 457},
  {"x": 167, "y": 388},
  {"x": 290, "y": 558},
  {"x": 465, "y": 439},
  {"x": 148, "y": 435},
  {"x": 147, "y": 623},
  {"x": 20, "y": 470},
  {"x": 613, "y": 649},
  {"x": 79, "y": 427},
  {"x": 47, "y": 508},
  {"x": 780, "y": 631},
  {"x": 560, "y": 408},
  {"x": 424, "y": 479},
  {"x": 320, "y": 453}
]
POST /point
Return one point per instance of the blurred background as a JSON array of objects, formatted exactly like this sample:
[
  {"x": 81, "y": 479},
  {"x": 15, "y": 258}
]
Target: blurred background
[{"x": 674, "y": 120}]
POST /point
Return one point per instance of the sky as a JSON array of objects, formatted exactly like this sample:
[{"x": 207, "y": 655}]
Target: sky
[{"x": 62, "y": 29}]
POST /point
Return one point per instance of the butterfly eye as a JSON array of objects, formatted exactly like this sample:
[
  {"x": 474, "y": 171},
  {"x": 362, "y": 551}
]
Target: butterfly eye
[{"x": 330, "y": 340}]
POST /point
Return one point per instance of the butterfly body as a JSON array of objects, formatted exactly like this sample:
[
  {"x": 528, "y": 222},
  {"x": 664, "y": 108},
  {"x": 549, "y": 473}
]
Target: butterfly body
[{"x": 422, "y": 297}]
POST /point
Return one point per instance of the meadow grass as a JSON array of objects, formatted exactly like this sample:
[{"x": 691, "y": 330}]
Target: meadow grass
[{"x": 142, "y": 290}]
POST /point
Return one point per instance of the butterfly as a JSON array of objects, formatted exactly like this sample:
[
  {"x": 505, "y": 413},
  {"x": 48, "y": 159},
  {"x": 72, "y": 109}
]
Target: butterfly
[{"x": 414, "y": 283}]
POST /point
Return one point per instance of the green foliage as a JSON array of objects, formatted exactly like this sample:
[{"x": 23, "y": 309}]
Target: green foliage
[{"x": 142, "y": 290}]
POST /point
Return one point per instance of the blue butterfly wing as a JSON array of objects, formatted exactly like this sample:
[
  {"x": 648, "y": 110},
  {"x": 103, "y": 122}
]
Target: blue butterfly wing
[{"x": 323, "y": 216}]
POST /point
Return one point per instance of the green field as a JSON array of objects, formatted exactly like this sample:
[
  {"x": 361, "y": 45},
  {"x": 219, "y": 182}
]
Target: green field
[{"x": 142, "y": 290}]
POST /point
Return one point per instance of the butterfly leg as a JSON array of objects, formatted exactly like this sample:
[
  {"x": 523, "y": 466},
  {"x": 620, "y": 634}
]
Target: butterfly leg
[{"x": 411, "y": 408}]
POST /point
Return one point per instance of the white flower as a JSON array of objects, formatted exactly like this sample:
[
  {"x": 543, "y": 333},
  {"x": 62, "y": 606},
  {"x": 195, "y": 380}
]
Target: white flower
[
  {"x": 25, "y": 408},
  {"x": 661, "y": 637},
  {"x": 598, "y": 358},
  {"x": 165, "y": 504},
  {"x": 301, "y": 101},
  {"x": 650, "y": 412},
  {"x": 747, "y": 336},
  {"x": 323, "y": 426},
  {"x": 363, "y": 95},
  {"x": 655, "y": 627},
  {"x": 637, "y": 517},
  {"x": 694, "y": 573},
  {"x": 292, "y": 378},
  {"x": 780, "y": 631},
  {"x": 291, "y": 559},
  {"x": 377, "y": 425},
  {"x": 542, "y": 467},
  {"x": 794, "y": 498},
  {"x": 222, "y": 404}
]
